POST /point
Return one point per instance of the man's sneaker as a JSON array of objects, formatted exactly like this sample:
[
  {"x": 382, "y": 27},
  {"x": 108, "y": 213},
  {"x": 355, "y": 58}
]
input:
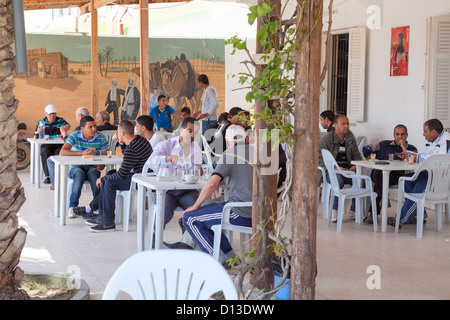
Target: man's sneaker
[
  {"x": 94, "y": 221},
  {"x": 47, "y": 180},
  {"x": 334, "y": 216},
  {"x": 391, "y": 221},
  {"x": 90, "y": 215},
  {"x": 351, "y": 215},
  {"x": 104, "y": 227},
  {"x": 76, "y": 212}
]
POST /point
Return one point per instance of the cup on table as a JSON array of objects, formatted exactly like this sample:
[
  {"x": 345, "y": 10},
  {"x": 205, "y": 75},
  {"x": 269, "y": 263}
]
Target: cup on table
[
  {"x": 411, "y": 159},
  {"x": 391, "y": 156},
  {"x": 189, "y": 178},
  {"x": 47, "y": 137},
  {"x": 109, "y": 154},
  {"x": 373, "y": 156}
]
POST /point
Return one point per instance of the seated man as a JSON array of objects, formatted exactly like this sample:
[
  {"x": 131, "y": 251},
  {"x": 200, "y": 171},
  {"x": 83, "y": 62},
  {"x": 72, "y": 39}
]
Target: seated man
[
  {"x": 135, "y": 155},
  {"x": 234, "y": 164},
  {"x": 343, "y": 146},
  {"x": 399, "y": 147},
  {"x": 327, "y": 120},
  {"x": 103, "y": 123},
  {"x": 54, "y": 127},
  {"x": 438, "y": 142},
  {"x": 184, "y": 113},
  {"x": 162, "y": 114},
  {"x": 178, "y": 150},
  {"x": 144, "y": 128},
  {"x": 84, "y": 142}
]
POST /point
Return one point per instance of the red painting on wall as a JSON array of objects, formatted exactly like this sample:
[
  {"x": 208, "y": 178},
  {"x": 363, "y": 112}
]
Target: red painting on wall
[{"x": 399, "y": 51}]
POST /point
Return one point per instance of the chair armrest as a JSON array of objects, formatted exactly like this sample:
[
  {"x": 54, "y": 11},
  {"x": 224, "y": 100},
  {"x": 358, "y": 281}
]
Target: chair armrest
[{"x": 227, "y": 209}]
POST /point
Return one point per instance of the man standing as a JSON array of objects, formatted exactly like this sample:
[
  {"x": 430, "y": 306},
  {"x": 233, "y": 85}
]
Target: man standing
[
  {"x": 235, "y": 168},
  {"x": 144, "y": 128},
  {"x": 210, "y": 103},
  {"x": 162, "y": 114},
  {"x": 181, "y": 150},
  {"x": 343, "y": 146},
  {"x": 399, "y": 147},
  {"x": 54, "y": 127},
  {"x": 135, "y": 155},
  {"x": 84, "y": 142},
  {"x": 112, "y": 103},
  {"x": 438, "y": 142}
]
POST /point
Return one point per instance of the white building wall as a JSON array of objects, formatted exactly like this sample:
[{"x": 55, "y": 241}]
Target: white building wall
[{"x": 392, "y": 100}]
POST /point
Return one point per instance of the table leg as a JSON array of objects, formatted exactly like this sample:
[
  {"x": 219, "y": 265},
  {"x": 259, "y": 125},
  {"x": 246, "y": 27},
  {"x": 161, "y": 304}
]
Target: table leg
[
  {"x": 56, "y": 191},
  {"x": 385, "y": 200},
  {"x": 33, "y": 162},
  {"x": 357, "y": 206},
  {"x": 140, "y": 218},
  {"x": 159, "y": 227},
  {"x": 62, "y": 195}
]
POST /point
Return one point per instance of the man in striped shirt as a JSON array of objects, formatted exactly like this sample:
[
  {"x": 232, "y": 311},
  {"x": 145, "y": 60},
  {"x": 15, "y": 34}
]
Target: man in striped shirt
[
  {"x": 54, "y": 127},
  {"x": 84, "y": 142},
  {"x": 135, "y": 155}
]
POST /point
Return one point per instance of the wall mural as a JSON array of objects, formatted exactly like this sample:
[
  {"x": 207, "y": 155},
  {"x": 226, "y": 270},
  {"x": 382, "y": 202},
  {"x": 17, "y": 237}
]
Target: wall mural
[{"x": 60, "y": 74}]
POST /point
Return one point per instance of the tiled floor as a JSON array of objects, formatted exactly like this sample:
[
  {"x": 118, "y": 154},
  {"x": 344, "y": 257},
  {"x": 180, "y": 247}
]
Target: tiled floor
[{"x": 350, "y": 263}]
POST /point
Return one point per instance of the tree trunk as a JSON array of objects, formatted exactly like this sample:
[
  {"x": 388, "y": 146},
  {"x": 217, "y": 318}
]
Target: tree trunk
[
  {"x": 304, "y": 210},
  {"x": 12, "y": 238},
  {"x": 264, "y": 201}
]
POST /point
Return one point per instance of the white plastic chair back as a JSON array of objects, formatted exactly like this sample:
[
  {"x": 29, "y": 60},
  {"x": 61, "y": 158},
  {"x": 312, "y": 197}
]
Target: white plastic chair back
[
  {"x": 170, "y": 275},
  {"x": 332, "y": 166},
  {"x": 438, "y": 185},
  {"x": 112, "y": 143},
  {"x": 207, "y": 152},
  {"x": 361, "y": 146}
]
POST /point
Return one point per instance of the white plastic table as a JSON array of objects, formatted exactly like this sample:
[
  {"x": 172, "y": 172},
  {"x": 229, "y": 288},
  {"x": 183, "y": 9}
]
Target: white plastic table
[
  {"x": 395, "y": 165},
  {"x": 161, "y": 186},
  {"x": 62, "y": 164},
  {"x": 35, "y": 158}
]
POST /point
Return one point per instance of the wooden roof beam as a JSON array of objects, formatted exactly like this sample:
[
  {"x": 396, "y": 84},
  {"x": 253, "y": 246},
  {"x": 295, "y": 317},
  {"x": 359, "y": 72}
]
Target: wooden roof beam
[{"x": 86, "y": 8}]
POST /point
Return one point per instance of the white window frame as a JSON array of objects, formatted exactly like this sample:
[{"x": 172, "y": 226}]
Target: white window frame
[
  {"x": 437, "y": 77},
  {"x": 356, "y": 73}
]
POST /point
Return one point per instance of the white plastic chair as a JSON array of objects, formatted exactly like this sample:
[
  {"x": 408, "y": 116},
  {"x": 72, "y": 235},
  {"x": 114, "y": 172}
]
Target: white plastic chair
[
  {"x": 125, "y": 201},
  {"x": 227, "y": 226},
  {"x": 325, "y": 195},
  {"x": 208, "y": 154},
  {"x": 355, "y": 192},
  {"x": 437, "y": 190},
  {"x": 69, "y": 191},
  {"x": 112, "y": 143},
  {"x": 170, "y": 275}
]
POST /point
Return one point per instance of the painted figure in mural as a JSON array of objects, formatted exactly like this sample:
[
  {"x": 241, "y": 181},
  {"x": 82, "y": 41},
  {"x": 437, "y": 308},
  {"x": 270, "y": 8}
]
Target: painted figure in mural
[
  {"x": 131, "y": 101},
  {"x": 112, "y": 103}
]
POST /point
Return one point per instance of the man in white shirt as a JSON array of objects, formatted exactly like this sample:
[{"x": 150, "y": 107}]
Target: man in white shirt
[
  {"x": 210, "y": 103},
  {"x": 144, "y": 127},
  {"x": 180, "y": 150},
  {"x": 438, "y": 142}
]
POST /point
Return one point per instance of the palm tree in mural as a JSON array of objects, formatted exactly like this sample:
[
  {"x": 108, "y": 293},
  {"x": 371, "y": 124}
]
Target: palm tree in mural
[
  {"x": 108, "y": 54},
  {"x": 100, "y": 61},
  {"x": 12, "y": 196}
]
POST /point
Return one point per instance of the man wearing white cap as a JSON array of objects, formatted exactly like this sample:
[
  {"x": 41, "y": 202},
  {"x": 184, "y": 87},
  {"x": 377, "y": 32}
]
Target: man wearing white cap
[
  {"x": 234, "y": 164},
  {"x": 54, "y": 127}
]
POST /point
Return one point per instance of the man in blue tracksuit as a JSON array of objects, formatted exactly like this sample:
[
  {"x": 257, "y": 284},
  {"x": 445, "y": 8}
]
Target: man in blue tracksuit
[{"x": 438, "y": 142}]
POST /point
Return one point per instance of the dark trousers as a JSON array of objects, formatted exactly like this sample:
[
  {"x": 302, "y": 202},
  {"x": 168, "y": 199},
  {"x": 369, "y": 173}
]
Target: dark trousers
[
  {"x": 107, "y": 196},
  {"x": 178, "y": 198},
  {"x": 377, "y": 181},
  {"x": 48, "y": 150}
]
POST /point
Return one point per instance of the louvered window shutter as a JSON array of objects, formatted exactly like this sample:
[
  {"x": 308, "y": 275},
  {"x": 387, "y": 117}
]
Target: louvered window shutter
[
  {"x": 438, "y": 91},
  {"x": 356, "y": 74}
]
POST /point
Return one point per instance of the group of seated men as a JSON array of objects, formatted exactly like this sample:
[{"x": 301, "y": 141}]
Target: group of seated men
[
  {"x": 142, "y": 145},
  {"x": 342, "y": 144}
]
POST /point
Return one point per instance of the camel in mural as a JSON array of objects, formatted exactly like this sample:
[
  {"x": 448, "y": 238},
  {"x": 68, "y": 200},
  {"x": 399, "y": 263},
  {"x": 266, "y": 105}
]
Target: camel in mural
[{"x": 176, "y": 79}]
